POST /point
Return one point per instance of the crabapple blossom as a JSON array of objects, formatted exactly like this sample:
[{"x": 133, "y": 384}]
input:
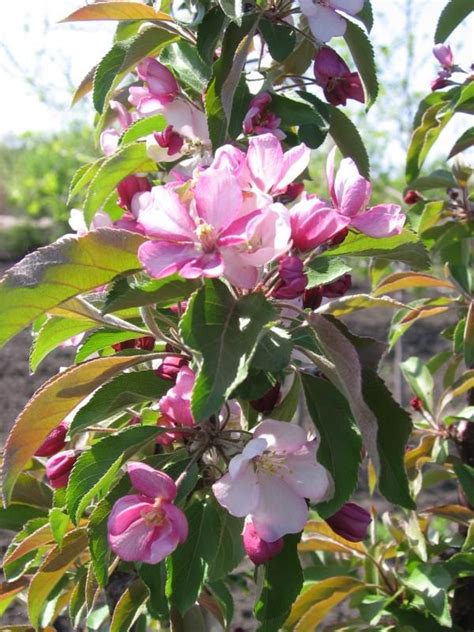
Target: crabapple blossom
[
  {"x": 147, "y": 527},
  {"x": 292, "y": 280},
  {"x": 169, "y": 368},
  {"x": 260, "y": 119},
  {"x": 55, "y": 441},
  {"x": 334, "y": 76},
  {"x": 270, "y": 479},
  {"x": 161, "y": 87},
  {"x": 444, "y": 54},
  {"x": 210, "y": 235},
  {"x": 258, "y": 550},
  {"x": 109, "y": 139},
  {"x": 59, "y": 466},
  {"x": 351, "y": 522},
  {"x": 350, "y": 193},
  {"x": 324, "y": 18},
  {"x": 313, "y": 223},
  {"x": 175, "y": 406}
]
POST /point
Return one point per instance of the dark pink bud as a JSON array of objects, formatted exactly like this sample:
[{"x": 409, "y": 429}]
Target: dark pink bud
[
  {"x": 126, "y": 344},
  {"x": 350, "y": 522},
  {"x": 444, "y": 55},
  {"x": 54, "y": 442},
  {"x": 339, "y": 237},
  {"x": 439, "y": 83},
  {"x": 161, "y": 82},
  {"x": 416, "y": 404},
  {"x": 59, "y": 466},
  {"x": 412, "y": 197},
  {"x": 338, "y": 288},
  {"x": 170, "y": 139},
  {"x": 334, "y": 76},
  {"x": 258, "y": 550},
  {"x": 292, "y": 281},
  {"x": 147, "y": 343},
  {"x": 293, "y": 191},
  {"x": 312, "y": 298},
  {"x": 267, "y": 402},
  {"x": 260, "y": 119},
  {"x": 127, "y": 189},
  {"x": 135, "y": 421},
  {"x": 169, "y": 368}
]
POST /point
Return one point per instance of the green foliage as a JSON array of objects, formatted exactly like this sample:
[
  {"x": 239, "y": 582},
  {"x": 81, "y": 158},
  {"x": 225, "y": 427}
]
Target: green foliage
[{"x": 451, "y": 16}]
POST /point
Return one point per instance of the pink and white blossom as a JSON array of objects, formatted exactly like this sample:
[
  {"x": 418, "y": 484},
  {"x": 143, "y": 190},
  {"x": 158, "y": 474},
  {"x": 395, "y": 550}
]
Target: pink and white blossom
[
  {"x": 109, "y": 139},
  {"x": 334, "y": 76},
  {"x": 270, "y": 480},
  {"x": 324, "y": 18},
  {"x": 147, "y": 526},
  {"x": 444, "y": 55},
  {"x": 350, "y": 194},
  {"x": 314, "y": 222},
  {"x": 175, "y": 406},
  {"x": 260, "y": 119},
  {"x": 160, "y": 87}
]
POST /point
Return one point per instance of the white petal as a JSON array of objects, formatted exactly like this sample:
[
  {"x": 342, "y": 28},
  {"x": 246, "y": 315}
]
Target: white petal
[
  {"x": 306, "y": 477},
  {"x": 281, "y": 436},
  {"x": 238, "y": 495},
  {"x": 326, "y": 23},
  {"x": 352, "y": 7}
]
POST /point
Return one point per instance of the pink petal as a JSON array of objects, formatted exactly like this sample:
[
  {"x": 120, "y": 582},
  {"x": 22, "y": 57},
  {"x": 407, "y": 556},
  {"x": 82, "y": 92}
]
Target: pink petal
[
  {"x": 383, "y": 220},
  {"x": 208, "y": 265},
  {"x": 160, "y": 547},
  {"x": 255, "y": 447},
  {"x": 330, "y": 174},
  {"x": 352, "y": 191},
  {"x": 237, "y": 271},
  {"x": 295, "y": 162},
  {"x": 306, "y": 477},
  {"x": 325, "y": 23},
  {"x": 352, "y": 7},
  {"x": 279, "y": 510},
  {"x": 268, "y": 236},
  {"x": 265, "y": 160},
  {"x": 230, "y": 159},
  {"x": 161, "y": 258},
  {"x": 134, "y": 543},
  {"x": 218, "y": 198},
  {"x": 312, "y": 224},
  {"x": 178, "y": 521},
  {"x": 151, "y": 482},
  {"x": 281, "y": 436},
  {"x": 238, "y": 495},
  {"x": 166, "y": 217},
  {"x": 126, "y": 511}
]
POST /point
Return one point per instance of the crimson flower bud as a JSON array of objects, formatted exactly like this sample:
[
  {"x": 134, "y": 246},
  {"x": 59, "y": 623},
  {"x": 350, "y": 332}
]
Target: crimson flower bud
[
  {"x": 444, "y": 55},
  {"x": 169, "y": 139},
  {"x": 334, "y": 76},
  {"x": 350, "y": 522},
  {"x": 267, "y": 402},
  {"x": 147, "y": 343},
  {"x": 293, "y": 190},
  {"x": 416, "y": 404},
  {"x": 54, "y": 442},
  {"x": 339, "y": 237},
  {"x": 260, "y": 119},
  {"x": 258, "y": 550},
  {"x": 129, "y": 187},
  {"x": 169, "y": 368},
  {"x": 125, "y": 344},
  {"x": 339, "y": 287},
  {"x": 59, "y": 466},
  {"x": 292, "y": 280},
  {"x": 412, "y": 197},
  {"x": 312, "y": 298},
  {"x": 439, "y": 83}
]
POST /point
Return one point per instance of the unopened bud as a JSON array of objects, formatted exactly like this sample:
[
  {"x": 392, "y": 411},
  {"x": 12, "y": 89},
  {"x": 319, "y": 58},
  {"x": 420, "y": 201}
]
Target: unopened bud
[
  {"x": 169, "y": 368},
  {"x": 339, "y": 287},
  {"x": 350, "y": 522},
  {"x": 267, "y": 402},
  {"x": 312, "y": 298},
  {"x": 412, "y": 197},
  {"x": 259, "y": 551},
  {"x": 444, "y": 55},
  {"x": 161, "y": 82},
  {"x": 59, "y": 466},
  {"x": 292, "y": 280},
  {"x": 416, "y": 404},
  {"x": 462, "y": 170},
  {"x": 54, "y": 442}
]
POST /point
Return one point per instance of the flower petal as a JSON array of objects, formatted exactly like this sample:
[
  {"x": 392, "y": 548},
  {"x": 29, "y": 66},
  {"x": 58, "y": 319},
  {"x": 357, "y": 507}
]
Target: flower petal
[
  {"x": 126, "y": 511},
  {"x": 265, "y": 160},
  {"x": 295, "y": 162},
  {"x": 178, "y": 521},
  {"x": 352, "y": 7},
  {"x": 279, "y": 510},
  {"x": 352, "y": 191},
  {"x": 162, "y": 258},
  {"x": 255, "y": 447},
  {"x": 165, "y": 217},
  {"x": 151, "y": 482},
  {"x": 306, "y": 477},
  {"x": 132, "y": 545},
  {"x": 281, "y": 436},
  {"x": 238, "y": 495},
  {"x": 325, "y": 23},
  {"x": 218, "y": 198},
  {"x": 383, "y": 220}
]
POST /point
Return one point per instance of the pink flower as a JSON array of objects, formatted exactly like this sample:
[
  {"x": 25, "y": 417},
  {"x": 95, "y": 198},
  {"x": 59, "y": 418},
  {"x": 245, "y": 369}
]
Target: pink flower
[
  {"x": 338, "y": 287},
  {"x": 271, "y": 478},
  {"x": 313, "y": 223},
  {"x": 59, "y": 466},
  {"x": 109, "y": 139},
  {"x": 334, "y": 76},
  {"x": 147, "y": 527},
  {"x": 129, "y": 187},
  {"x": 175, "y": 406},
  {"x": 292, "y": 280},
  {"x": 350, "y": 194},
  {"x": 211, "y": 235},
  {"x": 161, "y": 87},
  {"x": 258, "y": 550},
  {"x": 54, "y": 442},
  {"x": 170, "y": 367},
  {"x": 444, "y": 55},
  {"x": 259, "y": 119},
  {"x": 351, "y": 522},
  {"x": 323, "y": 17}
]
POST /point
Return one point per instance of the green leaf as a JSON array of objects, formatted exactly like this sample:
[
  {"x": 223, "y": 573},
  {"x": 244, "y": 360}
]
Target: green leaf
[
  {"x": 438, "y": 179},
  {"x": 224, "y": 597},
  {"x": 186, "y": 566},
  {"x": 308, "y": 112},
  {"x": 59, "y": 523},
  {"x": 159, "y": 292},
  {"x": 405, "y": 248},
  {"x": 393, "y": 431},
  {"x": 283, "y": 579},
  {"x": 209, "y": 33},
  {"x": 286, "y": 409},
  {"x": 154, "y": 576},
  {"x": 347, "y": 138},
  {"x": 186, "y": 62},
  {"x": 366, "y": 16},
  {"x": 465, "y": 474},
  {"x": 96, "y": 468},
  {"x": 101, "y": 339},
  {"x": 50, "y": 405},
  {"x": 363, "y": 56},
  {"x": 224, "y": 331},
  {"x": 323, "y": 270},
  {"x": 465, "y": 141},
  {"x": 273, "y": 352},
  {"x": 124, "y": 390},
  {"x": 333, "y": 419},
  {"x": 451, "y": 16},
  {"x": 143, "y": 127},
  {"x": 431, "y": 582},
  {"x": 70, "y": 266},
  {"x": 129, "y": 159},
  {"x": 13, "y": 518},
  {"x": 227, "y": 550},
  {"x": 233, "y": 9},
  {"x": 106, "y": 72},
  {"x": 420, "y": 380},
  {"x": 82, "y": 177},
  {"x": 280, "y": 38},
  {"x": 129, "y": 607},
  {"x": 31, "y": 491},
  {"x": 54, "y": 332}
]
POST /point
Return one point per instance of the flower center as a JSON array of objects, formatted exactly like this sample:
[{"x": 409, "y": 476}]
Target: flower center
[
  {"x": 207, "y": 236},
  {"x": 270, "y": 463},
  {"x": 155, "y": 517}
]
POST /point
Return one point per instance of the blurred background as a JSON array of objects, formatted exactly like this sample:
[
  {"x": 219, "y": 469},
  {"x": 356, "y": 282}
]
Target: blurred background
[{"x": 43, "y": 140}]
